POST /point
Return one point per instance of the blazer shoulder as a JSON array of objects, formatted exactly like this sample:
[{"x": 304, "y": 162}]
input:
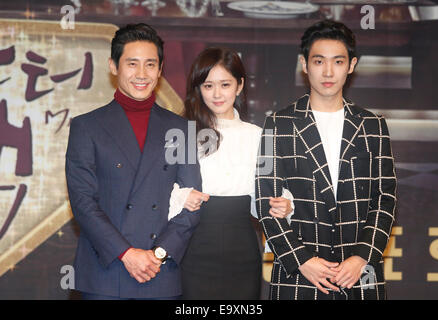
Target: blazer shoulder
[
  {"x": 98, "y": 112},
  {"x": 287, "y": 111},
  {"x": 169, "y": 115},
  {"x": 373, "y": 122},
  {"x": 285, "y": 114},
  {"x": 354, "y": 109},
  {"x": 296, "y": 109},
  {"x": 369, "y": 116}
]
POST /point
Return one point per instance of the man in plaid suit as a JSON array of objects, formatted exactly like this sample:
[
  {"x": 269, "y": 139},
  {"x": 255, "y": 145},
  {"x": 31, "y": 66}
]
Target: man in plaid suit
[{"x": 336, "y": 160}]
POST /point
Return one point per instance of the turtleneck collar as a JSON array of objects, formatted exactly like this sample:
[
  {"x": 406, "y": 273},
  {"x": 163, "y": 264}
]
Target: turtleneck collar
[
  {"x": 229, "y": 123},
  {"x": 132, "y": 105}
]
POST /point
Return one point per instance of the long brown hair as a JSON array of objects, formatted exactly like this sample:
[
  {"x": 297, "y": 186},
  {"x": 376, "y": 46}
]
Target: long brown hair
[{"x": 195, "y": 107}]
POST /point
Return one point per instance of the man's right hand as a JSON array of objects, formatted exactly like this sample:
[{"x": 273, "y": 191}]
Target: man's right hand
[
  {"x": 317, "y": 270},
  {"x": 141, "y": 264}
]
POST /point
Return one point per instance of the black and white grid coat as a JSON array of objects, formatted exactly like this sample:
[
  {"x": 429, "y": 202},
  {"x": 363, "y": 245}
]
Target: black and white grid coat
[{"x": 359, "y": 222}]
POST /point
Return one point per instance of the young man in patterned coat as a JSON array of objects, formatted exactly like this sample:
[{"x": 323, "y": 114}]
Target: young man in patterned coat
[{"x": 336, "y": 160}]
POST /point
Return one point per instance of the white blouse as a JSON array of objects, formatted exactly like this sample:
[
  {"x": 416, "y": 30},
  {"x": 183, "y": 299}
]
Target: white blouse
[{"x": 230, "y": 170}]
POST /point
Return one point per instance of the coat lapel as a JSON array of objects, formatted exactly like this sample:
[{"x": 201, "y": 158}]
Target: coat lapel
[
  {"x": 153, "y": 148},
  {"x": 352, "y": 125},
  {"x": 116, "y": 124},
  {"x": 306, "y": 130}
]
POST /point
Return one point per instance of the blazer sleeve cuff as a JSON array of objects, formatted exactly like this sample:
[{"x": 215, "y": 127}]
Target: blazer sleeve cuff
[{"x": 367, "y": 252}]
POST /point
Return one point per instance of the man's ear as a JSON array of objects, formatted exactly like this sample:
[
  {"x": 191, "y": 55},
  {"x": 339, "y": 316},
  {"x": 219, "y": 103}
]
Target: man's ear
[
  {"x": 161, "y": 70},
  {"x": 353, "y": 63},
  {"x": 112, "y": 66},
  {"x": 303, "y": 63}
]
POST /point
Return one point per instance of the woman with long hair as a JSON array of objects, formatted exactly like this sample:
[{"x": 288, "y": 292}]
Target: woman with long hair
[{"x": 223, "y": 260}]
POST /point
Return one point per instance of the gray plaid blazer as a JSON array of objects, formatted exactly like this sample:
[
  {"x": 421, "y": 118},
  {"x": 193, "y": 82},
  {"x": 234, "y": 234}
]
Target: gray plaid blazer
[{"x": 356, "y": 222}]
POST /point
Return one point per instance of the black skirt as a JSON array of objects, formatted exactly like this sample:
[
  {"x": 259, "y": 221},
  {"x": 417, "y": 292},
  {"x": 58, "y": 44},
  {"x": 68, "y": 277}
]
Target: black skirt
[{"x": 223, "y": 259}]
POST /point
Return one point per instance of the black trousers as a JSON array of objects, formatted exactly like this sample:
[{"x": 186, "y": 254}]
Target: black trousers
[{"x": 223, "y": 259}]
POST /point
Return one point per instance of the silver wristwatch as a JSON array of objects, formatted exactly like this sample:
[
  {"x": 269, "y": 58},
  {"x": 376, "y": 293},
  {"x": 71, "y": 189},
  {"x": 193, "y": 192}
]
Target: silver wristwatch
[{"x": 160, "y": 253}]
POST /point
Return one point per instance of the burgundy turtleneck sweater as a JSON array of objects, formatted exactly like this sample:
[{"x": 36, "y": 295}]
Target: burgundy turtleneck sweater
[{"x": 138, "y": 113}]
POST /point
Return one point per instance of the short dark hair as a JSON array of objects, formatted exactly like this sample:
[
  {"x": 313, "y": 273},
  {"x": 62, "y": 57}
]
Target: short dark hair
[
  {"x": 131, "y": 33},
  {"x": 328, "y": 29}
]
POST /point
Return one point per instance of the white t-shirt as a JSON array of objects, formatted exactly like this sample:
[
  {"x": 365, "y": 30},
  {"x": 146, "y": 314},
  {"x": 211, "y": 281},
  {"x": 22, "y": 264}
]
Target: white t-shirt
[{"x": 330, "y": 126}]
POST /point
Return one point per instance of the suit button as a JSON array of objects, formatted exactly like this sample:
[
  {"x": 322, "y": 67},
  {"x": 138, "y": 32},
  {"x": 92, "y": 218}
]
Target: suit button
[
  {"x": 165, "y": 167},
  {"x": 153, "y": 236},
  {"x": 119, "y": 165},
  {"x": 129, "y": 206},
  {"x": 154, "y": 207}
]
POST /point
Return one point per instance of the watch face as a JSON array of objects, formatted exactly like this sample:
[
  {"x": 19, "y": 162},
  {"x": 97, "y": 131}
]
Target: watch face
[{"x": 160, "y": 253}]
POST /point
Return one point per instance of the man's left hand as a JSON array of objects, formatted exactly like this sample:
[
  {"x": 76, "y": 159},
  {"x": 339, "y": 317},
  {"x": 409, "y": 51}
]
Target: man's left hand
[{"x": 349, "y": 271}]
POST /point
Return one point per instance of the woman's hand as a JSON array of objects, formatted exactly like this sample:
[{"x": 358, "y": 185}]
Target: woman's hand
[
  {"x": 280, "y": 207},
  {"x": 195, "y": 199}
]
